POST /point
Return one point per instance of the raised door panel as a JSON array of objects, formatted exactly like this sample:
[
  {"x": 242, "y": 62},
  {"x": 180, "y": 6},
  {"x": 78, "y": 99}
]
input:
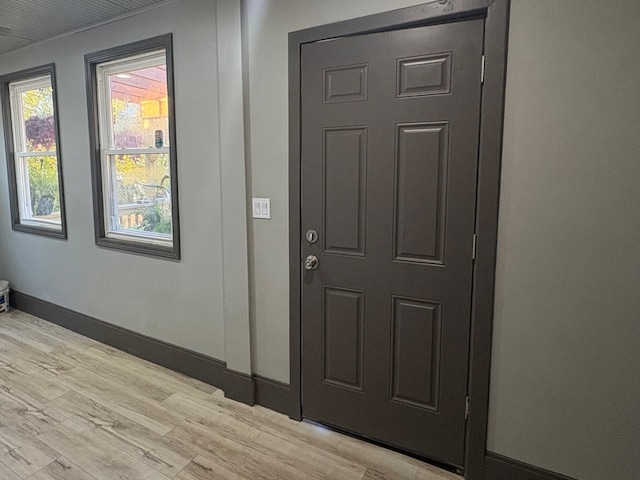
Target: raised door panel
[
  {"x": 344, "y": 169},
  {"x": 343, "y": 337},
  {"x": 424, "y": 75},
  {"x": 416, "y": 337},
  {"x": 346, "y": 84},
  {"x": 420, "y": 192}
]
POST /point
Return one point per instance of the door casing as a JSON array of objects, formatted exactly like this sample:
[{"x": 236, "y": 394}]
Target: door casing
[{"x": 496, "y": 16}]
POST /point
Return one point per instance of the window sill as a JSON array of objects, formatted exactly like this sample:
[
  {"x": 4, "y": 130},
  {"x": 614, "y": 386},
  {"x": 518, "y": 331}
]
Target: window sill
[
  {"x": 47, "y": 231},
  {"x": 170, "y": 252}
]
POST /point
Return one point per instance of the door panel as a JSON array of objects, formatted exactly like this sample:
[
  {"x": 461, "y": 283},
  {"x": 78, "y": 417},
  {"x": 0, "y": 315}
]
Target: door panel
[
  {"x": 389, "y": 146},
  {"x": 424, "y": 75},
  {"x": 345, "y": 156},
  {"x": 420, "y": 192},
  {"x": 415, "y": 372},
  {"x": 345, "y": 84},
  {"x": 342, "y": 339}
]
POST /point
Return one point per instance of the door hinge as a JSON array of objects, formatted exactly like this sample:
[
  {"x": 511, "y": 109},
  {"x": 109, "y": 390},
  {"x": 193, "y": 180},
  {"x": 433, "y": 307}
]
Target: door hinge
[
  {"x": 475, "y": 245},
  {"x": 466, "y": 408},
  {"x": 482, "y": 71}
]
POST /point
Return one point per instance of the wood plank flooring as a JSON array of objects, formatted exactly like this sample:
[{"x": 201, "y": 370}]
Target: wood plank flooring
[{"x": 74, "y": 409}]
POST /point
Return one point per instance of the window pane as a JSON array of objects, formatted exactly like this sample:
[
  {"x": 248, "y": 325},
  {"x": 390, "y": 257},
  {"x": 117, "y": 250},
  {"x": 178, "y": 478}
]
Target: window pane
[
  {"x": 39, "y": 124},
  {"x": 139, "y": 108},
  {"x": 41, "y": 192},
  {"x": 142, "y": 193}
]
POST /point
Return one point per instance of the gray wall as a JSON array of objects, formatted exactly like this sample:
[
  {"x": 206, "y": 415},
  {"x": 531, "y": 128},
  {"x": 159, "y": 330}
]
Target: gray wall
[
  {"x": 180, "y": 302},
  {"x": 565, "y": 391},
  {"x": 565, "y": 383},
  {"x": 267, "y": 23}
]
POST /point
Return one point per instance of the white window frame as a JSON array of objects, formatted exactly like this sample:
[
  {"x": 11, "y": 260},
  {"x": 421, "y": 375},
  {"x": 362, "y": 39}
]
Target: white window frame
[
  {"x": 107, "y": 150},
  {"x": 22, "y": 155},
  {"x": 12, "y": 87}
]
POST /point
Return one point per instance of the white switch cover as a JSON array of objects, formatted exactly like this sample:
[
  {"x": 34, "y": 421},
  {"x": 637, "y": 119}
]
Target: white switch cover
[{"x": 262, "y": 208}]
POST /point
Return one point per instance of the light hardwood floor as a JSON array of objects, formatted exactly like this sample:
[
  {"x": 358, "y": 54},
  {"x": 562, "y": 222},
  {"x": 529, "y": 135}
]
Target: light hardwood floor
[{"x": 74, "y": 409}]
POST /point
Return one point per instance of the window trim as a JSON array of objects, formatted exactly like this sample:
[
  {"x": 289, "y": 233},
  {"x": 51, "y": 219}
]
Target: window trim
[
  {"x": 11, "y": 154},
  {"x": 124, "y": 242}
]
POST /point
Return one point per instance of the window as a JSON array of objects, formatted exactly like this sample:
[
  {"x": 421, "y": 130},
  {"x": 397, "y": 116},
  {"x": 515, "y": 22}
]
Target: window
[
  {"x": 33, "y": 151},
  {"x": 133, "y": 148}
]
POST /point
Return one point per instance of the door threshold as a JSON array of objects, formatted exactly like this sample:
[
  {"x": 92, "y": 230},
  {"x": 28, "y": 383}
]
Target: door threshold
[{"x": 442, "y": 466}]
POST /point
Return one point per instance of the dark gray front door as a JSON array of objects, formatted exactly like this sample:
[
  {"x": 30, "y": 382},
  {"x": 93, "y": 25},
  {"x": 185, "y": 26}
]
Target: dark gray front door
[{"x": 390, "y": 126}]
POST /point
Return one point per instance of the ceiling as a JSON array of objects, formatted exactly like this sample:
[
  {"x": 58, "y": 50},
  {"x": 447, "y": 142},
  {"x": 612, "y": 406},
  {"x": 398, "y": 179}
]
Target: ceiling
[{"x": 32, "y": 21}]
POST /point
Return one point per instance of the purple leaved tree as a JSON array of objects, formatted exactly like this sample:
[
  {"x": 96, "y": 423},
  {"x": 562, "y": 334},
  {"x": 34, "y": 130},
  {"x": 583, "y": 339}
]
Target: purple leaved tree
[{"x": 40, "y": 131}]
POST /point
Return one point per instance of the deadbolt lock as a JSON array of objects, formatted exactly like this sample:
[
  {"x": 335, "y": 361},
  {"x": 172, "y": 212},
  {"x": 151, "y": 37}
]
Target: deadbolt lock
[{"x": 312, "y": 236}]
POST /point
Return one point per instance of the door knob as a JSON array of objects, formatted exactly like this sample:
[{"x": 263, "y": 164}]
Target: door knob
[{"x": 311, "y": 262}]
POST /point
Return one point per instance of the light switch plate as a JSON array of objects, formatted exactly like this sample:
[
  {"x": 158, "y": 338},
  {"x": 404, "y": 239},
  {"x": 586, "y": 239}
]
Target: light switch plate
[{"x": 262, "y": 208}]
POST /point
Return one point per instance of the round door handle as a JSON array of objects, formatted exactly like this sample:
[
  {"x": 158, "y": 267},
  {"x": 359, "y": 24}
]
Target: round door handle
[{"x": 311, "y": 262}]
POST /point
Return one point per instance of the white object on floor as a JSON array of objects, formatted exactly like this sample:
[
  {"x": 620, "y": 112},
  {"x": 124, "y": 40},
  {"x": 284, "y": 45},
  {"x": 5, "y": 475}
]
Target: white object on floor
[{"x": 4, "y": 296}]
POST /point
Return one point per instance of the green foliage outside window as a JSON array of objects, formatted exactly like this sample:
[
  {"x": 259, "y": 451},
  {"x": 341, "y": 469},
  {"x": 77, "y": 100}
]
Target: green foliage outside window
[
  {"x": 155, "y": 219},
  {"x": 37, "y": 105},
  {"x": 43, "y": 180}
]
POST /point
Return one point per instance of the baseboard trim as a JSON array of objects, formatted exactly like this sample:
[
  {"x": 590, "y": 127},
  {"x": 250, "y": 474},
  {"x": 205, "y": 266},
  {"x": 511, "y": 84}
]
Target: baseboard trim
[
  {"x": 239, "y": 386},
  {"x": 236, "y": 385},
  {"x": 272, "y": 394},
  {"x": 498, "y": 467},
  {"x": 192, "y": 364}
]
